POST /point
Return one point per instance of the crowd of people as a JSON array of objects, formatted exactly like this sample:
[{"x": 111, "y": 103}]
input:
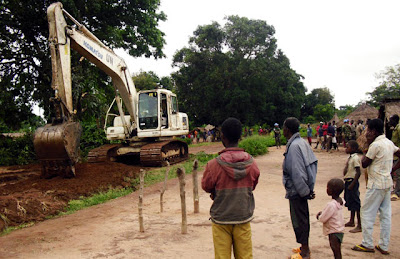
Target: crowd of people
[
  {"x": 330, "y": 136},
  {"x": 232, "y": 177},
  {"x": 205, "y": 135}
]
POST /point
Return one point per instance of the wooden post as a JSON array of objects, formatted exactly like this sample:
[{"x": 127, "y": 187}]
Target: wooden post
[
  {"x": 164, "y": 187},
  {"x": 181, "y": 174},
  {"x": 140, "y": 206},
  {"x": 195, "y": 187}
]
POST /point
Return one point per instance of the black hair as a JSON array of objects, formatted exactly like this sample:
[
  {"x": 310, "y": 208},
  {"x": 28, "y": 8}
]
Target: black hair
[
  {"x": 292, "y": 124},
  {"x": 353, "y": 144},
  {"x": 336, "y": 185},
  {"x": 232, "y": 129},
  {"x": 377, "y": 125}
]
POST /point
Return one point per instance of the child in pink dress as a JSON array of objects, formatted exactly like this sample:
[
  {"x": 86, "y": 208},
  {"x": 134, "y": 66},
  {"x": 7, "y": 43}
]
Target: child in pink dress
[{"x": 332, "y": 216}]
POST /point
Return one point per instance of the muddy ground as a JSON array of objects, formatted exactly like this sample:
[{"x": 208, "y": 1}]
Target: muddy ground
[
  {"x": 25, "y": 197},
  {"x": 111, "y": 230}
]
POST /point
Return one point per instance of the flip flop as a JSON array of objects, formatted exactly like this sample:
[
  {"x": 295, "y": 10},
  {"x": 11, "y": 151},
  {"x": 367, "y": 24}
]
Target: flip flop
[
  {"x": 298, "y": 256},
  {"x": 295, "y": 256},
  {"x": 381, "y": 250},
  {"x": 296, "y": 250},
  {"x": 361, "y": 248},
  {"x": 394, "y": 197}
]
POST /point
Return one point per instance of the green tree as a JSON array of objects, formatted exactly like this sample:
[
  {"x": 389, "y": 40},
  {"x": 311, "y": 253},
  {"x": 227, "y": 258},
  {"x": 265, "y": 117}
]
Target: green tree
[
  {"x": 324, "y": 112},
  {"x": 317, "y": 96},
  {"x": 168, "y": 83},
  {"x": 25, "y": 67},
  {"x": 345, "y": 110},
  {"x": 389, "y": 85},
  {"x": 146, "y": 81},
  {"x": 236, "y": 70}
]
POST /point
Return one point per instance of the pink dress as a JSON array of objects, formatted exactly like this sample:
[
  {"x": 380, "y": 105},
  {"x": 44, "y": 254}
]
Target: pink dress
[{"x": 332, "y": 218}]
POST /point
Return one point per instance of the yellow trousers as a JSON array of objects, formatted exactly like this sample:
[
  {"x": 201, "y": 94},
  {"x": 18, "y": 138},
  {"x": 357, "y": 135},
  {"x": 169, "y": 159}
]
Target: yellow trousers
[{"x": 238, "y": 236}]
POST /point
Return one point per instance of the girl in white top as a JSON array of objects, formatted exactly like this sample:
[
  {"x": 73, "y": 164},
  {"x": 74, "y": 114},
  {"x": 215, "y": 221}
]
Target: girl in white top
[{"x": 332, "y": 216}]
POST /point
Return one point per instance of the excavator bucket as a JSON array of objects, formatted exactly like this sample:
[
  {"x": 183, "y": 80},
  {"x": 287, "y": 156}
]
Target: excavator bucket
[{"x": 57, "y": 148}]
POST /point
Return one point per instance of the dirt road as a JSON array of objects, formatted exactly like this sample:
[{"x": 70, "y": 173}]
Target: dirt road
[{"x": 111, "y": 230}]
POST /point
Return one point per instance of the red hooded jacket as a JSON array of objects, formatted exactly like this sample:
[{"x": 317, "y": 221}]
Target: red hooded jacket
[{"x": 231, "y": 179}]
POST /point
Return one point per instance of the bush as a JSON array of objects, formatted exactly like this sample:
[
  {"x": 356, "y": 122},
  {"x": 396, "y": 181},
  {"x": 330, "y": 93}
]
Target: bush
[
  {"x": 92, "y": 137},
  {"x": 256, "y": 145},
  {"x": 18, "y": 151}
]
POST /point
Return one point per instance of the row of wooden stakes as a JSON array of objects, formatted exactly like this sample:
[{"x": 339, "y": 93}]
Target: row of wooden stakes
[{"x": 182, "y": 183}]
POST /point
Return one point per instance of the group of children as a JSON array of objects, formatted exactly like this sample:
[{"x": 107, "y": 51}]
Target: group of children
[{"x": 332, "y": 216}]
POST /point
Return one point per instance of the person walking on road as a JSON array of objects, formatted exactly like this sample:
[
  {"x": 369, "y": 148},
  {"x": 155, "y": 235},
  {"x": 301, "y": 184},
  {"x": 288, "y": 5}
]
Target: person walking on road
[
  {"x": 309, "y": 134},
  {"x": 277, "y": 134}
]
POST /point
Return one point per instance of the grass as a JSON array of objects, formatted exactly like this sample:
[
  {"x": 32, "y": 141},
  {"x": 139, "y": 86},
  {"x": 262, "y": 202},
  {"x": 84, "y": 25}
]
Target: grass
[
  {"x": 201, "y": 144},
  {"x": 8, "y": 230},
  {"x": 98, "y": 198}
]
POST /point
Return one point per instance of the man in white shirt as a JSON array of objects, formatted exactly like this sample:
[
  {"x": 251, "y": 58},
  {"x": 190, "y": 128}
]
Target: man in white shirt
[{"x": 379, "y": 160}]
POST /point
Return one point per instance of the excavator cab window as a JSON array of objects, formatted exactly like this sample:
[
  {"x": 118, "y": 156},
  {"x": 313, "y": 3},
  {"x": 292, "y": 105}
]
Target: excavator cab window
[
  {"x": 174, "y": 102},
  {"x": 164, "y": 111},
  {"x": 148, "y": 110}
]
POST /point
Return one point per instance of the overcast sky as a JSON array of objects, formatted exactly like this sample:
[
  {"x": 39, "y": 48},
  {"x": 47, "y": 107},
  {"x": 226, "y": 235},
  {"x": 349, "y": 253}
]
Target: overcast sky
[{"x": 337, "y": 44}]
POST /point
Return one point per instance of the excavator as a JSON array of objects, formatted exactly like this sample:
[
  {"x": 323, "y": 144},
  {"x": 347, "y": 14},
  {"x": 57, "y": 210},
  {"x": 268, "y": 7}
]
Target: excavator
[{"x": 147, "y": 123}]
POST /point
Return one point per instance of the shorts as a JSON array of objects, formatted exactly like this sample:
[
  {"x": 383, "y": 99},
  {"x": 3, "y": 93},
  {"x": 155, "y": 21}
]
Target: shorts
[
  {"x": 339, "y": 236},
  {"x": 352, "y": 197}
]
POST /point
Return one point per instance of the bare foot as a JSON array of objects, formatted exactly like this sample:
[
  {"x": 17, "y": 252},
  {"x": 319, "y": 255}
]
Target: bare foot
[
  {"x": 356, "y": 230},
  {"x": 349, "y": 224}
]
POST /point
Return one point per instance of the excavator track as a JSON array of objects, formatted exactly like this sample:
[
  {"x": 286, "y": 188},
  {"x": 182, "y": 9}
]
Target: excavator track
[
  {"x": 154, "y": 154},
  {"x": 102, "y": 153},
  {"x": 157, "y": 154}
]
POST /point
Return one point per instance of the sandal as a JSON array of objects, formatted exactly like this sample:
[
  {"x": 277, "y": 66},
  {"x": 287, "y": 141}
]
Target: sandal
[
  {"x": 296, "y": 250},
  {"x": 381, "y": 250},
  {"x": 298, "y": 256},
  {"x": 361, "y": 248},
  {"x": 394, "y": 197}
]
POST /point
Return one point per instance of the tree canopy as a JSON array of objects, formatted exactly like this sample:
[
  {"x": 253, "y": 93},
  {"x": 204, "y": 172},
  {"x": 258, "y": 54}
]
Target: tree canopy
[
  {"x": 25, "y": 67},
  {"x": 150, "y": 80},
  {"x": 389, "y": 85},
  {"x": 236, "y": 70}
]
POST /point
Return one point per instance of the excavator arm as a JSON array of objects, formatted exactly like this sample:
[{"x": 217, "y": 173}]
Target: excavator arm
[
  {"x": 57, "y": 144},
  {"x": 62, "y": 37}
]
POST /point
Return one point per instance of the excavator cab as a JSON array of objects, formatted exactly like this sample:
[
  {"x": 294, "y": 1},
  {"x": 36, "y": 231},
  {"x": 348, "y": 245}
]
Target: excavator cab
[{"x": 158, "y": 115}]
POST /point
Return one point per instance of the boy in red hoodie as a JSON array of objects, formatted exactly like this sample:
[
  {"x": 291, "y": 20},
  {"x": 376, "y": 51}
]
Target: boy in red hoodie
[{"x": 231, "y": 179}]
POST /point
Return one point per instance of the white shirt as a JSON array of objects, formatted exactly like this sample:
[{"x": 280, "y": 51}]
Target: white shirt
[{"x": 381, "y": 153}]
